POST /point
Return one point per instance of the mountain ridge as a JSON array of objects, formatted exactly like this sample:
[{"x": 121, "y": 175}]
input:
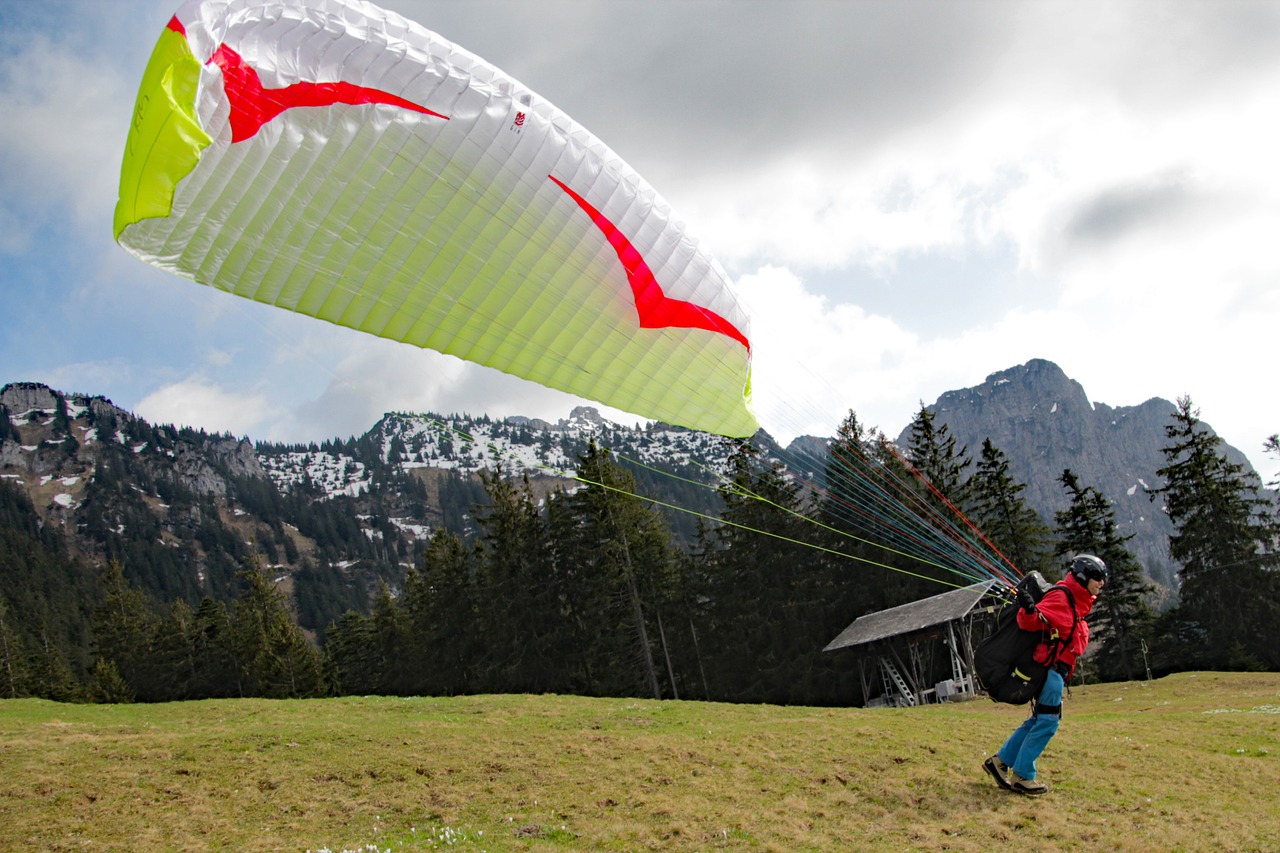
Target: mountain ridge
[
  {"x": 1044, "y": 422},
  {"x": 349, "y": 514}
]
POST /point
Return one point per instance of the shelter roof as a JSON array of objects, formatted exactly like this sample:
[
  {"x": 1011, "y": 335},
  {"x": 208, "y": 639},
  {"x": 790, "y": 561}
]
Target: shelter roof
[{"x": 913, "y": 616}]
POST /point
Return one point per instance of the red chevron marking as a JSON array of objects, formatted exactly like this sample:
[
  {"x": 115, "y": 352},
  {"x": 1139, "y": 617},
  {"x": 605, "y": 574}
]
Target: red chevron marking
[
  {"x": 252, "y": 106},
  {"x": 655, "y": 309}
]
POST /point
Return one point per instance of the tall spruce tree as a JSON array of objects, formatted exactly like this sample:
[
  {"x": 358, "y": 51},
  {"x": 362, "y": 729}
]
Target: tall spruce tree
[
  {"x": 352, "y": 663},
  {"x": 943, "y": 482},
  {"x": 625, "y": 562},
  {"x": 769, "y": 594},
  {"x": 390, "y": 634},
  {"x": 932, "y": 450},
  {"x": 123, "y": 625},
  {"x": 13, "y": 660},
  {"x": 172, "y": 662},
  {"x": 217, "y": 670},
  {"x": 1123, "y": 617},
  {"x": 50, "y": 676},
  {"x": 745, "y": 642},
  {"x": 861, "y": 503},
  {"x": 1225, "y": 536},
  {"x": 443, "y": 607},
  {"x": 999, "y": 511},
  {"x": 276, "y": 660},
  {"x": 514, "y": 589}
]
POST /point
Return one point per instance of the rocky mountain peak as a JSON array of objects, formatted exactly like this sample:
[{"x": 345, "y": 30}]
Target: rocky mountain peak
[
  {"x": 19, "y": 397},
  {"x": 1044, "y": 423},
  {"x": 584, "y": 417}
]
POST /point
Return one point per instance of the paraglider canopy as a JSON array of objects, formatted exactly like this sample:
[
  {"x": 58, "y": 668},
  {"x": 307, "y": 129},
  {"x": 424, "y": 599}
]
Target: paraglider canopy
[{"x": 335, "y": 159}]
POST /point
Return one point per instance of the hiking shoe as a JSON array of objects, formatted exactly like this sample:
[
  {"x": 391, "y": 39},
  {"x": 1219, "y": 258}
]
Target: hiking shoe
[
  {"x": 998, "y": 770},
  {"x": 1030, "y": 787}
]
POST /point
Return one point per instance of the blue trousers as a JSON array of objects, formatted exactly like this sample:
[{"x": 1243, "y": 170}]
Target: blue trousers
[{"x": 1026, "y": 743}]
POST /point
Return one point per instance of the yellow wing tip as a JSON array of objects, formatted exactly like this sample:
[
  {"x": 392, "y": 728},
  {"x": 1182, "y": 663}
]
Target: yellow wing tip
[{"x": 165, "y": 136}]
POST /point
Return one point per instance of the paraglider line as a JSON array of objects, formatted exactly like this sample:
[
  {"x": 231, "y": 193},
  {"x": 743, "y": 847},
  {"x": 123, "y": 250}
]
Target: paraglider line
[
  {"x": 740, "y": 490},
  {"x": 572, "y": 475},
  {"x": 769, "y": 533},
  {"x": 937, "y": 492}
]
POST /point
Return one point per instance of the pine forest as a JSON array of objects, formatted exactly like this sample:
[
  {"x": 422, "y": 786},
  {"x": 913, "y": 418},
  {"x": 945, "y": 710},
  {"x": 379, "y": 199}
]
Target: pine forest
[{"x": 442, "y": 555}]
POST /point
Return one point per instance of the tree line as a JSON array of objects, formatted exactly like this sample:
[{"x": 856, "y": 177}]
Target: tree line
[{"x": 587, "y": 591}]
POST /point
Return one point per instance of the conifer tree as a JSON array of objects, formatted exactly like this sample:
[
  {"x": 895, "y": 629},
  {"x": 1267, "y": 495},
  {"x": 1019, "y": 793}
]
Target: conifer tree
[
  {"x": 580, "y": 596},
  {"x": 106, "y": 686},
  {"x": 389, "y": 627},
  {"x": 1122, "y": 617},
  {"x": 514, "y": 589},
  {"x": 622, "y": 565},
  {"x": 897, "y": 500},
  {"x": 442, "y": 608},
  {"x": 122, "y": 628},
  {"x": 172, "y": 665},
  {"x": 945, "y": 491},
  {"x": 932, "y": 451},
  {"x": 217, "y": 672},
  {"x": 13, "y": 668},
  {"x": 49, "y": 674},
  {"x": 1225, "y": 539},
  {"x": 746, "y": 648},
  {"x": 861, "y": 479},
  {"x": 352, "y": 663},
  {"x": 769, "y": 593},
  {"x": 999, "y": 511},
  {"x": 275, "y": 659}
]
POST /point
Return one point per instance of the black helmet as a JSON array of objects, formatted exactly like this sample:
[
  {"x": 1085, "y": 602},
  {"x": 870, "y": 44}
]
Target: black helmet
[{"x": 1086, "y": 567}]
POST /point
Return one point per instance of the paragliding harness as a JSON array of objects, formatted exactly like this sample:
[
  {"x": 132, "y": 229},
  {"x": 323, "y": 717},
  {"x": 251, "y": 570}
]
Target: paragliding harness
[{"x": 1004, "y": 662}]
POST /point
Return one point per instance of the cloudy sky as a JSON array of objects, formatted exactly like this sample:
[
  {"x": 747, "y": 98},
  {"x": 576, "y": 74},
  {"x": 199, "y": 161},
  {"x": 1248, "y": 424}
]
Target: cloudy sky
[{"x": 909, "y": 196}]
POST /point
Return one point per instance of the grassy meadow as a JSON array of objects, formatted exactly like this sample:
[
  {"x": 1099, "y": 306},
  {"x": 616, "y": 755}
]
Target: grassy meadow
[{"x": 1187, "y": 762}]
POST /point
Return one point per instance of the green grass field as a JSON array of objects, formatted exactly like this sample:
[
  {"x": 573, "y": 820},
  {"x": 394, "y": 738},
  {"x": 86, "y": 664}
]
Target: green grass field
[{"x": 1189, "y": 762}]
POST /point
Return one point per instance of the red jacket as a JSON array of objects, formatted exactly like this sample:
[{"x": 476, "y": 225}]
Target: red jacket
[{"x": 1053, "y": 615}]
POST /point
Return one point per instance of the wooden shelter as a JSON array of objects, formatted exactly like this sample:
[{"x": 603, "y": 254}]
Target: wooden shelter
[{"x": 901, "y": 646}]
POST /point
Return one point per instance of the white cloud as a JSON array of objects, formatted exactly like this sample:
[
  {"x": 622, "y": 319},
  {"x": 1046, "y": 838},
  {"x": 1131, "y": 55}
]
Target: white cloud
[
  {"x": 375, "y": 376},
  {"x": 813, "y": 359},
  {"x": 1116, "y": 160},
  {"x": 63, "y": 133},
  {"x": 197, "y": 402}
]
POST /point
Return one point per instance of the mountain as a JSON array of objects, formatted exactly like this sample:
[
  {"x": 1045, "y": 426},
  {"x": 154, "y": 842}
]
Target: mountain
[
  {"x": 1044, "y": 422},
  {"x": 183, "y": 510}
]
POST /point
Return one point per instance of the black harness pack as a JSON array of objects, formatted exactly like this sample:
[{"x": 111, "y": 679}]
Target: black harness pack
[{"x": 1005, "y": 661}]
